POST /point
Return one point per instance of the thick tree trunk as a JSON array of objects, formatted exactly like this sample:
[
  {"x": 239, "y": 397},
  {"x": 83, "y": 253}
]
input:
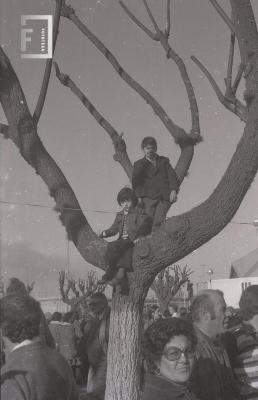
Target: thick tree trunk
[{"x": 124, "y": 357}]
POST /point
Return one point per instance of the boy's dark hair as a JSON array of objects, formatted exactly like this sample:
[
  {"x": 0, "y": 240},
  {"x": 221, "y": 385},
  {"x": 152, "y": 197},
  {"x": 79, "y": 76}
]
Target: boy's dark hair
[
  {"x": 126, "y": 194},
  {"x": 149, "y": 141},
  {"x": 19, "y": 317}
]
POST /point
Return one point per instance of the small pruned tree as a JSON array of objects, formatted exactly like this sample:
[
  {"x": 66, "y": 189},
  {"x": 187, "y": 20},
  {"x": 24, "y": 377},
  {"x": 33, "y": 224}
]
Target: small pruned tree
[
  {"x": 168, "y": 283},
  {"x": 82, "y": 289},
  {"x": 30, "y": 287}
]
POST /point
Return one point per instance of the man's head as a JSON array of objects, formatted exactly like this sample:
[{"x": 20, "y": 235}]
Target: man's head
[
  {"x": 149, "y": 146},
  {"x": 126, "y": 198},
  {"x": 248, "y": 305},
  {"x": 16, "y": 286},
  {"x": 208, "y": 311},
  {"x": 97, "y": 304},
  {"x": 19, "y": 318}
]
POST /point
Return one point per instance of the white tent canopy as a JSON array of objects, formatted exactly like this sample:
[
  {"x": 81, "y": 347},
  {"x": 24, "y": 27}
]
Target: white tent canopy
[{"x": 245, "y": 266}]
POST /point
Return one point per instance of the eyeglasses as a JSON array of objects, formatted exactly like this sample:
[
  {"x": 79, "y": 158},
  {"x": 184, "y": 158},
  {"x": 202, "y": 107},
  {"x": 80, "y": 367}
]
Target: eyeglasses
[{"x": 174, "y": 353}]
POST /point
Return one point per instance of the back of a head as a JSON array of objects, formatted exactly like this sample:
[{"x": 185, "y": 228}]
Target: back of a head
[
  {"x": 16, "y": 287},
  {"x": 19, "y": 317},
  {"x": 248, "y": 303},
  {"x": 99, "y": 296},
  {"x": 204, "y": 302},
  {"x": 56, "y": 316}
]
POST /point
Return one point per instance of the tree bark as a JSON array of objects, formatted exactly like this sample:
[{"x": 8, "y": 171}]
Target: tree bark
[{"x": 123, "y": 372}]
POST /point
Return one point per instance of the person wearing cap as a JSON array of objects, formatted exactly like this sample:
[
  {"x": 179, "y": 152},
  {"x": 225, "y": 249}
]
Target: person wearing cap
[{"x": 245, "y": 365}]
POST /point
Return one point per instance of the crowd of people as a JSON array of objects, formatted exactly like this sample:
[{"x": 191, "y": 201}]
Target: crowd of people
[{"x": 206, "y": 352}]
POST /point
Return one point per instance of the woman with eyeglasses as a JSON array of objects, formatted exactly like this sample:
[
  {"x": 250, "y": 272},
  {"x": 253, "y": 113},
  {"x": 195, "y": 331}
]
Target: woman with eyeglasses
[{"x": 169, "y": 348}]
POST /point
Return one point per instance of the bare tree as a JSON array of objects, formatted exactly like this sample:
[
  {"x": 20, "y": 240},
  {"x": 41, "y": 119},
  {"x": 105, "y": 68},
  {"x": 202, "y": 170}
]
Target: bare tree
[
  {"x": 180, "y": 235},
  {"x": 168, "y": 283},
  {"x": 81, "y": 289}
]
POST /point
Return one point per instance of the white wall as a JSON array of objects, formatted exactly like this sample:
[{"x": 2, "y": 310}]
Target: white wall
[{"x": 233, "y": 288}]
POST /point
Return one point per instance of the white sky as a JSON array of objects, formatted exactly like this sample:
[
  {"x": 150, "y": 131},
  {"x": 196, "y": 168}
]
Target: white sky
[{"x": 34, "y": 244}]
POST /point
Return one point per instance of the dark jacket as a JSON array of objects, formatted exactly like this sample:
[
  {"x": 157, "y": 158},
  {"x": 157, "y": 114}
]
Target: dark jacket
[
  {"x": 212, "y": 377},
  {"x": 154, "y": 182},
  {"x": 138, "y": 224},
  {"x": 36, "y": 372},
  {"x": 157, "y": 388}
]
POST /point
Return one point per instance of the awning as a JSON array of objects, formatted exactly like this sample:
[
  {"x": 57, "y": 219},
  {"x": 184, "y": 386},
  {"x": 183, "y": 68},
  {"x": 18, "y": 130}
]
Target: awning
[{"x": 245, "y": 266}]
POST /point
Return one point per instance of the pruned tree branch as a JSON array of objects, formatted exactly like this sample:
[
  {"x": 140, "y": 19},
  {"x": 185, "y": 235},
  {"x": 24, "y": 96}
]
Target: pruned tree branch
[
  {"x": 228, "y": 79},
  {"x": 237, "y": 79},
  {"x": 151, "y": 16},
  {"x": 224, "y": 16},
  {"x": 119, "y": 144},
  {"x": 185, "y": 141},
  {"x": 48, "y": 67},
  {"x": 22, "y": 131},
  {"x": 171, "y": 54},
  {"x": 151, "y": 34},
  {"x": 177, "y": 132},
  {"x": 168, "y": 26},
  {"x": 232, "y": 103}
]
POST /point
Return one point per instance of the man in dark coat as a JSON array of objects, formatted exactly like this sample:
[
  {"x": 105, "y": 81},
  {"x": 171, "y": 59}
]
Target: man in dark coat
[
  {"x": 212, "y": 377},
  {"x": 155, "y": 182},
  {"x": 96, "y": 332},
  {"x": 32, "y": 371}
]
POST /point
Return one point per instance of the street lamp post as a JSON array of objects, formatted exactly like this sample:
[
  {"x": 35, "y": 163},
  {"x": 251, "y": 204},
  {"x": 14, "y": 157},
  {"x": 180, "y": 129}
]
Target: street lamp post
[{"x": 210, "y": 272}]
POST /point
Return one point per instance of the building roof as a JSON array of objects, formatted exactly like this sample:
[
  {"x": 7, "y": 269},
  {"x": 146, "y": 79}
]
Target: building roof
[{"x": 245, "y": 266}]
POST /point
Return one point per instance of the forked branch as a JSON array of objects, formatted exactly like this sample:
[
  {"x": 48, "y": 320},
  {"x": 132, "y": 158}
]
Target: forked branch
[
  {"x": 163, "y": 37},
  {"x": 119, "y": 144},
  {"x": 177, "y": 132},
  {"x": 231, "y": 103},
  {"x": 224, "y": 16}
]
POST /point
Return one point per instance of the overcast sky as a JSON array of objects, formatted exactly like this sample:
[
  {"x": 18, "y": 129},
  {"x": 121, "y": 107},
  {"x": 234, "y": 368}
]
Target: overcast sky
[{"x": 34, "y": 244}]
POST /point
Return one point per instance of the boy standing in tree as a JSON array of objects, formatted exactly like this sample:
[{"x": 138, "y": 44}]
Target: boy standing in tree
[
  {"x": 155, "y": 182},
  {"x": 130, "y": 224}
]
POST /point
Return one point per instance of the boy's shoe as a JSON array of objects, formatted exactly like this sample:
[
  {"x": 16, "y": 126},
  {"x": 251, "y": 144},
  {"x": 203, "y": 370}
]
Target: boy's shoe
[
  {"x": 104, "y": 280},
  {"x": 107, "y": 276}
]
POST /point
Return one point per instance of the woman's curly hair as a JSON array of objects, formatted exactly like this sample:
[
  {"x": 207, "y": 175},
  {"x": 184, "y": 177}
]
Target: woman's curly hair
[
  {"x": 158, "y": 334},
  {"x": 19, "y": 317}
]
